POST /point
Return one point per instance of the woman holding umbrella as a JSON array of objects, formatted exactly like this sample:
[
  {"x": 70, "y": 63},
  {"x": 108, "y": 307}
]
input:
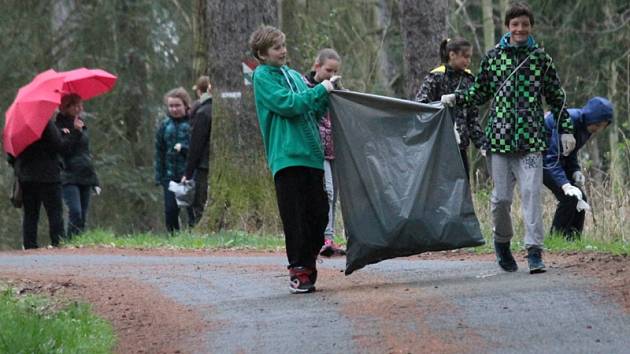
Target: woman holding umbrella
[
  {"x": 34, "y": 143},
  {"x": 39, "y": 173},
  {"x": 78, "y": 176}
]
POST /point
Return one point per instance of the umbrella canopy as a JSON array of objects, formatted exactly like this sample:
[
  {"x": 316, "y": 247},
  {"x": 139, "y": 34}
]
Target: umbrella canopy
[
  {"x": 35, "y": 103},
  {"x": 29, "y": 113},
  {"x": 88, "y": 83}
]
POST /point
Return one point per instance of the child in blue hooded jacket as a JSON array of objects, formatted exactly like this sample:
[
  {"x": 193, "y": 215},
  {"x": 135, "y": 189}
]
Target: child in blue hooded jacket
[{"x": 562, "y": 174}]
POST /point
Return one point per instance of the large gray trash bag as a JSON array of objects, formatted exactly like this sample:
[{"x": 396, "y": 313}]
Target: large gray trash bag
[{"x": 401, "y": 179}]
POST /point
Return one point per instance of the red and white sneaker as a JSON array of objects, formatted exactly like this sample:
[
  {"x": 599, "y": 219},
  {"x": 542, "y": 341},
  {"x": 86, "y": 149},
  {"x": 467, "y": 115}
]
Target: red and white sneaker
[{"x": 302, "y": 280}]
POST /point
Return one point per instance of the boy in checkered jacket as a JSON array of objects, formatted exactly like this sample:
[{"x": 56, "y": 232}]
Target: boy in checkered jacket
[{"x": 514, "y": 77}]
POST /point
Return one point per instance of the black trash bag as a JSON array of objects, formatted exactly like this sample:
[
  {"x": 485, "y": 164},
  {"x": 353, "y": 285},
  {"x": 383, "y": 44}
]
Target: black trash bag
[{"x": 401, "y": 180}]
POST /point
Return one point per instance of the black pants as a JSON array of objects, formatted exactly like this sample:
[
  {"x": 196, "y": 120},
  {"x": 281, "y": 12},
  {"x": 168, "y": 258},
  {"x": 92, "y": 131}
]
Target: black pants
[
  {"x": 35, "y": 194},
  {"x": 171, "y": 211},
  {"x": 303, "y": 207},
  {"x": 567, "y": 220},
  {"x": 201, "y": 193}
]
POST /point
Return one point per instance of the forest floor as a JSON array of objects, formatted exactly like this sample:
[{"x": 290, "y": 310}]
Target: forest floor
[{"x": 180, "y": 301}]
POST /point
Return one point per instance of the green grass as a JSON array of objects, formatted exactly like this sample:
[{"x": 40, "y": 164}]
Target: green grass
[
  {"x": 183, "y": 240},
  {"x": 238, "y": 240},
  {"x": 33, "y": 324},
  {"x": 557, "y": 243}
]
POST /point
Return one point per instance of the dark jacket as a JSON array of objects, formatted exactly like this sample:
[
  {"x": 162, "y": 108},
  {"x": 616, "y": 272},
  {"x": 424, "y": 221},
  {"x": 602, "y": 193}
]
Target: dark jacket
[
  {"x": 40, "y": 161},
  {"x": 558, "y": 166},
  {"x": 170, "y": 163},
  {"x": 199, "y": 150},
  {"x": 325, "y": 124},
  {"x": 444, "y": 80},
  {"x": 515, "y": 79},
  {"x": 77, "y": 162}
]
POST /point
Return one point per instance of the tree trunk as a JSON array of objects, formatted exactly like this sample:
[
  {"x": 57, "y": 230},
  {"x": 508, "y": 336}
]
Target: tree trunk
[
  {"x": 423, "y": 26},
  {"x": 200, "y": 38},
  {"x": 503, "y": 6},
  {"x": 388, "y": 19},
  {"x": 241, "y": 189},
  {"x": 488, "y": 25},
  {"x": 133, "y": 31},
  {"x": 616, "y": 179},
  {"x": 62, "y": 30}
]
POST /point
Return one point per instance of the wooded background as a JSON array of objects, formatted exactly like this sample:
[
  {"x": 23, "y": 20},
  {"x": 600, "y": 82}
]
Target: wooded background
[{"x": 387, "y": 47}]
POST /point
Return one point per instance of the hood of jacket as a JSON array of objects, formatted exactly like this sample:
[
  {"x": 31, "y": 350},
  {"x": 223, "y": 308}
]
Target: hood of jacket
[
  {"x": 596, "y": 110},
  {"x": 309, "y": 79},
  {"x": 505, "y": 42}
]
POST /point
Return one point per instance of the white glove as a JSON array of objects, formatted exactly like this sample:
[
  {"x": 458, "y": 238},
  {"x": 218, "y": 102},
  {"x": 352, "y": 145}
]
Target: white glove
[
  {"x": 448, "y": 100},
  {"x": 97, "y": 190},
  {"x": 336, "y": 80},
  {"x": 483, "y": 152},
  {"x": 582, "y": 205},
  {"x": 571, "y": 191},
  {"x": 568, "y": 143},
  {"x": 579, "y": 178},
  {"x": 457, "y": 138},
  {"x": 328, "y": 85},
  {"x": 178, "y": 147}
]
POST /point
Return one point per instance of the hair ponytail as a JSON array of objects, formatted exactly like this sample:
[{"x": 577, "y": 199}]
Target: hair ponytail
[
  {"x": 452, "y": 45},
  {"x": 443, "y": 51}
]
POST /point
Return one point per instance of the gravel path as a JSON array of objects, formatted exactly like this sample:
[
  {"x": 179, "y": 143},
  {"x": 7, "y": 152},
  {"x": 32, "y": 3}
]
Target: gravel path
[{"x": 408, "y": 305}]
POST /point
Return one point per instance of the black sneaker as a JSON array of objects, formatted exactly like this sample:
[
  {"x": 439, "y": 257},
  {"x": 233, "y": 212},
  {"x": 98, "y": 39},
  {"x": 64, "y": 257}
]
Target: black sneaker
[
  {"x": 301, "y": 280},
  {"x": 504, "y": 256},
  {"x": 330, "y": 249},
  {"x": 534, "y": 258}
]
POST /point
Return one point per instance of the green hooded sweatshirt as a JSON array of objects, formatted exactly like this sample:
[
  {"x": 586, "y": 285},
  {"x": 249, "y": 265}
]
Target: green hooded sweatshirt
[{"x": 288, "y": 113}]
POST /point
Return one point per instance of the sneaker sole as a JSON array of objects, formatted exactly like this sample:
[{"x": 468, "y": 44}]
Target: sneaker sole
[
  {"x": 511, "y": 269},
  {"x": 301, "y": 291},
  {"x": 537, "y": 270}
]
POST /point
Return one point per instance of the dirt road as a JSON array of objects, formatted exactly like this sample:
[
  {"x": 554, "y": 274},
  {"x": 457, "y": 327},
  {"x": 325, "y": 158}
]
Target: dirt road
[{"x": 238, "y": 302}]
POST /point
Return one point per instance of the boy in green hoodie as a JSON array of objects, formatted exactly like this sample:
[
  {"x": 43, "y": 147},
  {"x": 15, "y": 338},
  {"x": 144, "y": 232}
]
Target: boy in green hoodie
[
  {"x": 288, "y": 112},
  {"x": 515, "y": 76}
]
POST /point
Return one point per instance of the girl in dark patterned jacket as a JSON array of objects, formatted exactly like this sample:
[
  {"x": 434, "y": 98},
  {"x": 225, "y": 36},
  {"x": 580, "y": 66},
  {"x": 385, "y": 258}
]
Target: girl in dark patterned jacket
[
  {"x": 454, "y": 75},
  {"x": 172, "y": 141},
  {"x": 515, "y": 76}
]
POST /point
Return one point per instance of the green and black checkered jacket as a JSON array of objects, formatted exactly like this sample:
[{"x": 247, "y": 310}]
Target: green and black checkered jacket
[{"x": 515, "y": 79}]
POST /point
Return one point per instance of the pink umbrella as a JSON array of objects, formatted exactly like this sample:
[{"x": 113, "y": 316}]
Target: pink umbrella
[
  {"x": 35, "y": 103},
  {"x": 88, "y": 83},
  {"x": 30, "y": 111}
]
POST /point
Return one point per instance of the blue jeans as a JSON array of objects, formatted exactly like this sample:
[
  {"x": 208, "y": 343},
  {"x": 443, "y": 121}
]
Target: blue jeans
[
  {"x": 171, "y": 211},
  {"x": 77, "y": 198}
]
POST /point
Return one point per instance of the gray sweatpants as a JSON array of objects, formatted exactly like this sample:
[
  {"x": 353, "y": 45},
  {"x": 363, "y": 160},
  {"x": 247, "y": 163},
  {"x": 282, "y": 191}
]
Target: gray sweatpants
[
  {"x": 331, "y": 192},
  {"x": 506, "y": 170}
]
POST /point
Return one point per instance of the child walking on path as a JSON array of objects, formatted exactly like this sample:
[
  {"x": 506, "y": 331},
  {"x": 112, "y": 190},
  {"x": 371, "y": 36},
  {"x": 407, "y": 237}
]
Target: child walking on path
[
  {"x": 515, "y": 76},
  {"x": 454, "y": 75},
  {"x": 289, "y": 112},
  {"x": 326, "y": 66}
]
